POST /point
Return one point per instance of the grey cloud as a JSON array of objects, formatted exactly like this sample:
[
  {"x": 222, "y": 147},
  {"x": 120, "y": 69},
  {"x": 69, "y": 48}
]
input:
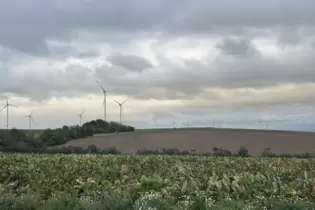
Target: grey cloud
[
  {"x": 63, "y": 52},
  {"x": 130, "y": 62},
  {"x": 162, "y": 116},
  {"x": 25, "y": 26},
  {"x": 237, "y": 47},
  {"x": 186, "y": 82},
  {"x": 176, "y": 82},
  {"x": 75, "y": 80}
]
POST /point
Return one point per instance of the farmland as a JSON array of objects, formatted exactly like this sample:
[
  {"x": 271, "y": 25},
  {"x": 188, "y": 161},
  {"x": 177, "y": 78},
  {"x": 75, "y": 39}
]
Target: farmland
[
  {"x": 175, "y": 180},
  {"x": 98, "y": 182},
  {"x": 204, "y": 139}
]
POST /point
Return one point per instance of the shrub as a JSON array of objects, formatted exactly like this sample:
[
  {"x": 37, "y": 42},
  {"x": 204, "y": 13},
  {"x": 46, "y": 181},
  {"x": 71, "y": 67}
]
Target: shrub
[
  {"x": 267, "y": 153},
  {"x": 242, "y": 152},
  {"x": 221, "y": 152}
]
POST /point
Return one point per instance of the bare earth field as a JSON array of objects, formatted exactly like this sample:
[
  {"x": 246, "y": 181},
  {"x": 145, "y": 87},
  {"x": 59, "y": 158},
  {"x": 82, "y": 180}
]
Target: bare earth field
[{"x": 204, "y": 139}]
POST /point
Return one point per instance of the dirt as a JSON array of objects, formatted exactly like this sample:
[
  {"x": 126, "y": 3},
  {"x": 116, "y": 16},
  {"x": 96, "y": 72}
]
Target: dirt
[{"x": 203, "y": 140}]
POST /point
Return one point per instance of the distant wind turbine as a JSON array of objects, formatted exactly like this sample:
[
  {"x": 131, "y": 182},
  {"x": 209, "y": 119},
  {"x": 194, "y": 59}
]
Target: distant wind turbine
[
  {"x": 120, "y": 109},
  {"x": 30, "y": 119},
  {"x": 7, "y": 105},
  {"x": 81, "y": 117},
  {"x": 267, "y": 125},
  {"x": 104, "y": 102}
]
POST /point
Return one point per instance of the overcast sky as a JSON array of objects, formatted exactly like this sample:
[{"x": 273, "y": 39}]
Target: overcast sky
[{"x": 192, "y": 62}]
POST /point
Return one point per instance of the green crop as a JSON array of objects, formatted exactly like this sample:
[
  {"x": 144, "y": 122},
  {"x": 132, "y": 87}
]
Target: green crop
[{"x": 174, "y": 177}]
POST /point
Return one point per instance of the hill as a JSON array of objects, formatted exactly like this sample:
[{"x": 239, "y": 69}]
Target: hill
[{"x": 204, "y": 139}]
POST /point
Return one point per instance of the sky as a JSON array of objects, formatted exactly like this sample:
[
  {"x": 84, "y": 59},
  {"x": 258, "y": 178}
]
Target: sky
[{"x": 242, "y": 64}]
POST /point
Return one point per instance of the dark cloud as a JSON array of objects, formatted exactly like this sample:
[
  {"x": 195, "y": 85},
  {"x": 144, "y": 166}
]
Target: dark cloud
[
  {"x": 55, "y": 30},
  {"x": 26, "y": 26},
  {"x": 130, "y": 62},
  {"x": 75, "y": 80},
  {"x": 176, "y": 82},
  {"x": 180, "y": 82},
  {"x": 64, "y": 52},
  {"x": 237, "y": 47}
]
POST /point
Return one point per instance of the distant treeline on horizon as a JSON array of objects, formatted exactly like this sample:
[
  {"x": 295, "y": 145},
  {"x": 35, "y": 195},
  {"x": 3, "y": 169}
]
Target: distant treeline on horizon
[{"x": 15, "y": 138}]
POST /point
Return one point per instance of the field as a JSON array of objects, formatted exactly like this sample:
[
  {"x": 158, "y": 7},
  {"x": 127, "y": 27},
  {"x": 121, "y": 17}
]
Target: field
[
  {"x": 176, "y": 180},
  {"x": 204, "y": 139},
  {"x": 162, "y": 182}
]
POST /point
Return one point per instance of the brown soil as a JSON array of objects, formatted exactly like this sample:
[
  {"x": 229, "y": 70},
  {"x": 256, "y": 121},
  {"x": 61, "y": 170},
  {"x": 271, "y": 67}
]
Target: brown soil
[{"x": 203, "y": 140}]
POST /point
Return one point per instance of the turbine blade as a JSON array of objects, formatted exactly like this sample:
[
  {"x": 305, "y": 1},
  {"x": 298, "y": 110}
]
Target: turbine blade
[
  {"x": 3, "y": 108},
  {"x": 6, "y": 98},
  {"x": 100, "y": 85},
  {"x": 32, "y": 112},
  {"x": 124, "y": 101},
  {"x": 117, "y": 102},
  {"x": 33, "y": 119},
  {"x": 13, "y": 105}
]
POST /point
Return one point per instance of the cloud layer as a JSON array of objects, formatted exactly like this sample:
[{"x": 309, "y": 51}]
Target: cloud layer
[{"x": 181, "y": 54}]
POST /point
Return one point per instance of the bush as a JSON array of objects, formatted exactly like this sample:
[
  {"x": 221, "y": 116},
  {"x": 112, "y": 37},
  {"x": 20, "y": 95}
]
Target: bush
[
  {"x": 221, "y": 152},
  {"x": 267, "y": 153},
  {"x": 242, "y": 152},
  {"x": 148, "y": 152}
]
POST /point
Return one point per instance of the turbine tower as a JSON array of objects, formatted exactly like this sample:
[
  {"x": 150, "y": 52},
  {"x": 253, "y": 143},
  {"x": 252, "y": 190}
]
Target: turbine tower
[
  {"x": 267, "y": 125},
  {"x": 120, "y": 109},
  {"x": 104, "y": 102},
  {"x": 7, "y": 105},
  {"x": 30, "y": 119},
  {"x": 81, "y": 117}
]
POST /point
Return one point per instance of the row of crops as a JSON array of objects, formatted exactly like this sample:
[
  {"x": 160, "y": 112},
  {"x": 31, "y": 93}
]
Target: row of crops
[{"x": 141, "y": 182}]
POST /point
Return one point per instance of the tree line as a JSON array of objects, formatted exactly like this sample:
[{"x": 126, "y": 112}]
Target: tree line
[{"x": 20, "y": 140}]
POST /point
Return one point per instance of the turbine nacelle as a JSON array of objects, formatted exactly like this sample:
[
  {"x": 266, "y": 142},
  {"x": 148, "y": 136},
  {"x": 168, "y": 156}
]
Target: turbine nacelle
[
  {"x": 7, "y": 105},
  {"x": 104, "y": 101},
  {"x": 30, "y": 118},
  {"x": 81, "y": 117}
]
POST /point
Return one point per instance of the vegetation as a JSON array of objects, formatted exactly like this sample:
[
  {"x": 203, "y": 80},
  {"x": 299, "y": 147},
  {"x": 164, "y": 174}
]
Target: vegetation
[
  {"x": 29, "y": 181},
  {"x": 19, "y": 140}
]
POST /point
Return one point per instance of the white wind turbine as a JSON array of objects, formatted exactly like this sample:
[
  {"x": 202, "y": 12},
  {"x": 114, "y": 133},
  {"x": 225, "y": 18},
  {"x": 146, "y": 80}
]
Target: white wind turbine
[
  {"x": 81, "y": 117},
  {"x": 30, "y": 119},
  {"x": 120, "y": 109},
  {"x": 7, "y": 105},
  {"x": 104, "y": 102}
]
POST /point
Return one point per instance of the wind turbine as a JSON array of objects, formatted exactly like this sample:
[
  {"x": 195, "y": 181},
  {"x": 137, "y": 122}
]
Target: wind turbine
[
  {"x": 81, "y": 117},
  {"x": 120, "y": 108},
  {"x": 104, "y": 102},
  {"x": 7, "y": 105},
  {"x": 267, "y": 125},
  {"x": 30, "y": 119}
]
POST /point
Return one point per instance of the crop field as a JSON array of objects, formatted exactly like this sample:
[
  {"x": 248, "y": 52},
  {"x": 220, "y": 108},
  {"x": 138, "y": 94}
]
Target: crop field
[
  {"x": 204, "y": 139},
  {"x": 262, "y": 183}
]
